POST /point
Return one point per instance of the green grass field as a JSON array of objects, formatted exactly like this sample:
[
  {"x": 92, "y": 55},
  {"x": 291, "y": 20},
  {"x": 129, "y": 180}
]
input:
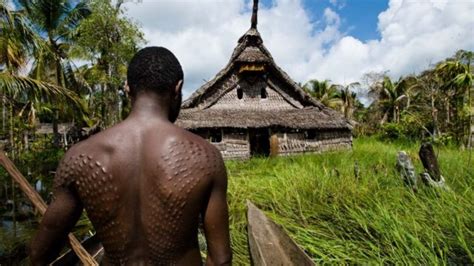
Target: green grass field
[{"x": 337, "y": 218}]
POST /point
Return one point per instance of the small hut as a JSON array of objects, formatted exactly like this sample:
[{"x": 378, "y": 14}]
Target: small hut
[{"x": 252, "y": 107}]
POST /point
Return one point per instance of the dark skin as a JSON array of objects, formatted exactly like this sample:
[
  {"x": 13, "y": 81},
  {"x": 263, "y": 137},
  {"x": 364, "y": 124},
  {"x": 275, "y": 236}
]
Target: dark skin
[{"x": 145, "y": 184}]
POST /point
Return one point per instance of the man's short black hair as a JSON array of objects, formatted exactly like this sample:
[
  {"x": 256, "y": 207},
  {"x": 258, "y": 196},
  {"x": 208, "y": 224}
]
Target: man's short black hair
[{"x": 155, "y": 69}]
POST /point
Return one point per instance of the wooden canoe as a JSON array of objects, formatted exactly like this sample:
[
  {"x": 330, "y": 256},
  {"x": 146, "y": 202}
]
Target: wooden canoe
[{"x": 269, "y": 244}]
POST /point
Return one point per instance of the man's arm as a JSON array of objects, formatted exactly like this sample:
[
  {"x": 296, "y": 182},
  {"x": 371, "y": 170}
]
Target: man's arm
[
  {"x": 216, "y": 220},
  {"x": 58, "y": 220}
]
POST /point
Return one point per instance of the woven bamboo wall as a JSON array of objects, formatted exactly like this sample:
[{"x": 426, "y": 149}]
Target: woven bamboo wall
[
  {"x": 236, "y": 146},
  {"x": 292, "y": 143}
]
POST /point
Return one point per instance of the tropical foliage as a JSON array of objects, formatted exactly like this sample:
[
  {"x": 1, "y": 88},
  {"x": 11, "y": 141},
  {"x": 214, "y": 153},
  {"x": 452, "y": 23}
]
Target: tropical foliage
[
  {"x": 338, "y": 97},
  {"x": 436, "y": 104}
]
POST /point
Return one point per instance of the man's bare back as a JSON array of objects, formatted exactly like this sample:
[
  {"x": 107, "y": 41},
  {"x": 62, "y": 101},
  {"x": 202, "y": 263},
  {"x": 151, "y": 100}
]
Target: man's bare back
[{"x": 144, "y": 183}]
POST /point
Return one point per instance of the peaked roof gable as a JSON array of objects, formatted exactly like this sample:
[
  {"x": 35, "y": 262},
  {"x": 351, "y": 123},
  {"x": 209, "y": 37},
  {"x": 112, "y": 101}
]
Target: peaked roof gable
[{"x": 250, "y": 49}]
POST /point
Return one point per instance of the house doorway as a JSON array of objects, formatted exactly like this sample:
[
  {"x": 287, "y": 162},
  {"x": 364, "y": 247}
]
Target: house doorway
[{"x": 259, "y": 142}]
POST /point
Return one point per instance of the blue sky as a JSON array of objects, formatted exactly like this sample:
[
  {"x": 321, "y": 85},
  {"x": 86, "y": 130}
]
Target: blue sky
[{"x": 359, "y": 17}]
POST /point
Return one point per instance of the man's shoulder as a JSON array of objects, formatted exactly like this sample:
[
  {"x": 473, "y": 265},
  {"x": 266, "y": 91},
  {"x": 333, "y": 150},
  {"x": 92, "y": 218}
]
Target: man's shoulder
[
  {"x": 80, "y": 156},
  {"x": 103, "y": 141},
  {"x": 191, "y": 153},
  {"x": 83, "y": 148}
]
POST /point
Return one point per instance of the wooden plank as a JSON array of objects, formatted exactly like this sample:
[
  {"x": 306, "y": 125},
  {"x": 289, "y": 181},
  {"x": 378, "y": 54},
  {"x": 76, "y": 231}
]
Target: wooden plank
[
  {"x": 269, "y": 244},
  {"x": 39, "y": 204}
]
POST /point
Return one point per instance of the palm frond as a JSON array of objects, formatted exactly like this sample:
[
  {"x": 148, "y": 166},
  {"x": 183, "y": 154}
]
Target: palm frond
[
  {"x": 14, "y": 86},
  {"x": 76, "y": 15}
]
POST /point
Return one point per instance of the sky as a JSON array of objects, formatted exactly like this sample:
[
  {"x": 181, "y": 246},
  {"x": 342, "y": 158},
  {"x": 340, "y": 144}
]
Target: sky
[{"x": 336, "y": 40}]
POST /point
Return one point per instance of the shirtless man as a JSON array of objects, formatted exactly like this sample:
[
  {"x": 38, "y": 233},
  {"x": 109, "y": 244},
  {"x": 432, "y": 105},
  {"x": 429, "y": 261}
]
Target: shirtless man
[{"x": 145, "y": 183}]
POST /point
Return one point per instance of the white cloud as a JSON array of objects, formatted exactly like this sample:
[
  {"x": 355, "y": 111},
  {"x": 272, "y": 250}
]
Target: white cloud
[
  {"x": 200, "y": 33},
  {"x": 414, "y": 34},
  {"x": 338, "y": 3},
  {"x": 203, "y": 33}
]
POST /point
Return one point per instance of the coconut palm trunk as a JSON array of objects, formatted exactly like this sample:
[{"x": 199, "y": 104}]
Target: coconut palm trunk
[
  {"x": 434, "y": 116},
  {"x": 13, "y": 208},
  {"x": 4, "y": 113}
]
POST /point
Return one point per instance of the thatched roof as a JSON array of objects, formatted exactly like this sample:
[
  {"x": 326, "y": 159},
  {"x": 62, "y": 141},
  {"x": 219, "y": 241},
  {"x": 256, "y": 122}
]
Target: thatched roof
[
  {"x": 197, "y": 111},
  {"x": 250, "y": 49},
  {"x": 307, "y": 118}
]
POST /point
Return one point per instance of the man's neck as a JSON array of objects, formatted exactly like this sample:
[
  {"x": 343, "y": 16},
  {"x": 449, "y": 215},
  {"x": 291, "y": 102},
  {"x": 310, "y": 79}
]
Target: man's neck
[{"x": 150, "y": 105}]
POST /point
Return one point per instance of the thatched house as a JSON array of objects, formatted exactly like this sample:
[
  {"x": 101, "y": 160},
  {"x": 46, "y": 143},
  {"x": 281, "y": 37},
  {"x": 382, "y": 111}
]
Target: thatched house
[{"x": 252, "y": 107}]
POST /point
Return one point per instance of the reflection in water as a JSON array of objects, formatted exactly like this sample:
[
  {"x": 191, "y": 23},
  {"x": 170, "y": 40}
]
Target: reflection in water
[{"x": 14, "y": 238}]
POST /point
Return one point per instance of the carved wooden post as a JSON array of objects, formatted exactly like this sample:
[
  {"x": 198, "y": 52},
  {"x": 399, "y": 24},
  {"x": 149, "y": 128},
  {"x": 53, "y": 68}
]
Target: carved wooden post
[
  {"x": 430, "y": 163},
  {"x": 406, "y": 169},
  {"x": 39, "y": 204},
  {"x": 274, "y": 145},
  {"x": 432, "y": 177}
]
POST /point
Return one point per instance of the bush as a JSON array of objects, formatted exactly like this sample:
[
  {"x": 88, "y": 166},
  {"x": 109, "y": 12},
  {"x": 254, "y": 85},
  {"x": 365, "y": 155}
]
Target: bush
[{"x": 392, "y": 131}]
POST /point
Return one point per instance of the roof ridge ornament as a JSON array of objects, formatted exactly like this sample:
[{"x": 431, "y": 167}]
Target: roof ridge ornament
[{"x": 254, "y": 14}]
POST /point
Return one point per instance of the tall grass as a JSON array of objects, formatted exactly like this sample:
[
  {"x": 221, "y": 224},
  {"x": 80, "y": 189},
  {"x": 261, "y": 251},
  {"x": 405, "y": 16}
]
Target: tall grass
[{"x": 338, "y": 218}]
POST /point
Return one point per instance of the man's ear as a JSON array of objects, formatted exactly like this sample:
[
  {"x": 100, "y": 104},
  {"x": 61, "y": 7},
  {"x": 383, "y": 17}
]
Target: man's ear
[{"x": 179, "y": 86}]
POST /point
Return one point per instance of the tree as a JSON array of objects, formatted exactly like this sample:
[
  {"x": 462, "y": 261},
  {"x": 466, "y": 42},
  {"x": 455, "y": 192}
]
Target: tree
[
  {"x": 24, "y": 96},
  {"x": 108, "y": 42},
  {"x": 324, "y": 92},
  {"x": 458, "y": 83},
  {"x": 17, "y": 39},
  {"x": 389, "y": 98},
  {"x": 18, "y": 42},
  {"x": 348, "y": 99},
  {"x": 56, "y": 21},
  {"x": 427, "y": 100},
  {"x": 437, "y": 101}
]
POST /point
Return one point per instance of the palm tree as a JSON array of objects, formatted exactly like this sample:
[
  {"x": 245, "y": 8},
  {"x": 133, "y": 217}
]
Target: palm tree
[
  {"x": 16, "y": 39},
  {"x": 348, "y": 99},
  {"x": 389, "y": 97},
  {"x": 18, "y": 43},
  {"x": 324, "y": 92},
  {"x": 424, "y": 91},
  {"x": 457, "y": 79},
  {"x": 56, "y": 21}
]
